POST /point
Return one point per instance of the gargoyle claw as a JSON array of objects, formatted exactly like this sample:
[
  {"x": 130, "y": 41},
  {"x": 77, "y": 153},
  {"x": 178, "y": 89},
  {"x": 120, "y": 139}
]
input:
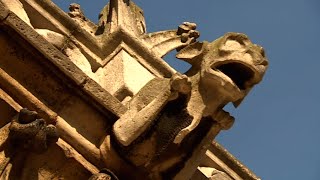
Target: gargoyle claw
[
  {"x": 180, "y": 83},
  {"x": 188, "y": 32}
]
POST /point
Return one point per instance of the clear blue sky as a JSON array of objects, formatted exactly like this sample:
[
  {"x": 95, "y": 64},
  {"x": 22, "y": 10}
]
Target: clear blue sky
[{"x": 277, "y": 127}]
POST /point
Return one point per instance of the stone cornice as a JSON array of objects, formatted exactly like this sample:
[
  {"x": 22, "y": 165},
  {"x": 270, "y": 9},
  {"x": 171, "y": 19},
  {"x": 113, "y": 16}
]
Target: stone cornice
[{"x": 89, "y": 88}]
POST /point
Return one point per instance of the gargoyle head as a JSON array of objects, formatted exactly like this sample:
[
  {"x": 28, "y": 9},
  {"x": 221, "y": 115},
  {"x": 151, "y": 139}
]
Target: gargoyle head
[{"x": 231, "y": 64}]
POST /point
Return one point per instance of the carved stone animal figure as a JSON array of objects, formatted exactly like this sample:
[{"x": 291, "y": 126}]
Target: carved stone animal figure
[
  {"x": 170, "y": 116},
  {"x": 30, "y": 133}
]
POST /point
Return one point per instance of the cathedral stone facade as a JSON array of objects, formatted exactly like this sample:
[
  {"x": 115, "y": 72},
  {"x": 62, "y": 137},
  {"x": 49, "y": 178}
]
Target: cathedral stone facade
[{"x": 80, "y": 100}]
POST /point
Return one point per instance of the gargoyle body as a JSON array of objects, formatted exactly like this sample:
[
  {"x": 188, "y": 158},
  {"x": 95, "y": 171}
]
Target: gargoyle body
[{"x": 168, "y": 117}]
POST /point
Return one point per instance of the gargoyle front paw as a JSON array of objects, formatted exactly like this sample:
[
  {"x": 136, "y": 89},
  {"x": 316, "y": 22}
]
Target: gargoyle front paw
[{"x": 180, "y": 83}]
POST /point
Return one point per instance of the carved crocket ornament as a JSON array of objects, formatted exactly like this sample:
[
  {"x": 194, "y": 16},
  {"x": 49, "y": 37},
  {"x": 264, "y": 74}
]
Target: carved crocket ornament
[{"x": 168, "y": 117}]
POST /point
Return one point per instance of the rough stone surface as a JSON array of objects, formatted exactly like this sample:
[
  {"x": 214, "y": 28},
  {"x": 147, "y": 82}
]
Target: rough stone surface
[
  {"x": 75, "y": 55},
  {"x": 103, "y": 97},
  {"x": 46, "y": 48},
  {"x": 17, "y": 7},
  {"x": 56, "y": 39},
  {"x": 79, "y": 115},
  {"x": 120, "y": 110},
  {"x": 4, "y": 12},
  {"x": 123, "y": 76}
]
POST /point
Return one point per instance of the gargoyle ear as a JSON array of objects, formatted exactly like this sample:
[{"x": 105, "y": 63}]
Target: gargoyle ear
[{"x": 190, "y": 52}]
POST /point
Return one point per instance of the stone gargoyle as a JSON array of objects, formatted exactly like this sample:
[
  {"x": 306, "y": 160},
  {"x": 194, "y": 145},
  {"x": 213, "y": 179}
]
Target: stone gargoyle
[
  {"x": 30, "y": 133},
  {"x": 169, "y": 116}
]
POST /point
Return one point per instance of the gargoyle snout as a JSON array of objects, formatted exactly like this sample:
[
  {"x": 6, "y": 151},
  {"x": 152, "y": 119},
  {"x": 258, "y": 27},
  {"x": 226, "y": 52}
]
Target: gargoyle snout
[{"x": 241, "y": 60}]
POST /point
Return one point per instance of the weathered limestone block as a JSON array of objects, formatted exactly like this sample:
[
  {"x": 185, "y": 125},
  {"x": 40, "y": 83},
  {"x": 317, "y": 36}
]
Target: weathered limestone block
[
  {"x": 76, "y": 56},
  {"x": 123, "y": 76},
  {"x": 68, "y": 48},
  {"x": 24, "y": 68},
  {"x": 79, "y": 115},
  {"x": 17, "y": 7},
  {"x": 56, "y": 39}
]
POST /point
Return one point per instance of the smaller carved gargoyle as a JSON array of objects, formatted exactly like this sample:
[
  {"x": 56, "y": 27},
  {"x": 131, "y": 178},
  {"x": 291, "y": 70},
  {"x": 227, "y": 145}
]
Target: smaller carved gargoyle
[
  {"x": 170, "y": 116},
  {"x": 31, "y": 133}
]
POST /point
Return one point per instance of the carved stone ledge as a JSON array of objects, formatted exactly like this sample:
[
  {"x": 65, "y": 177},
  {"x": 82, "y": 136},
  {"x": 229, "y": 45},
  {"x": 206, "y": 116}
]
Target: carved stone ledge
[
  {"x": 4, "y": 12},
  {"x": 35, "y": 42}
]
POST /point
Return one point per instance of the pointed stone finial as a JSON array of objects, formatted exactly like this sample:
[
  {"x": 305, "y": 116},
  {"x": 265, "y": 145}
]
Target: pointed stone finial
[{"x": 122, "y": 13}]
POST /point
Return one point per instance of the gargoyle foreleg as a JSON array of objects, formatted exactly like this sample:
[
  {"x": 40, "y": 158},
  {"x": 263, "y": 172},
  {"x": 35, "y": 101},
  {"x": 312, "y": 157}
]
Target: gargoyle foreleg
[
  {"x": 184, "y": 132},
  {"x": 223, "y": 118},
  {"x": 133, "y": 123}
]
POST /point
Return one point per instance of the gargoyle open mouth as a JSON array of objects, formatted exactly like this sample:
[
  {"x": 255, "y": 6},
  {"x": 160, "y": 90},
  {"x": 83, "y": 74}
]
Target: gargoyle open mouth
[{"x": 239, "y": 73}]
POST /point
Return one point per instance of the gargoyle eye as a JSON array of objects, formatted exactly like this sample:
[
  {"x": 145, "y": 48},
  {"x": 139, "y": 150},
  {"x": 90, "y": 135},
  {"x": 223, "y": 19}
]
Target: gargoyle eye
[
  {"x": 232, "y": 45},
  {"x": 240, "y": 38}
]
